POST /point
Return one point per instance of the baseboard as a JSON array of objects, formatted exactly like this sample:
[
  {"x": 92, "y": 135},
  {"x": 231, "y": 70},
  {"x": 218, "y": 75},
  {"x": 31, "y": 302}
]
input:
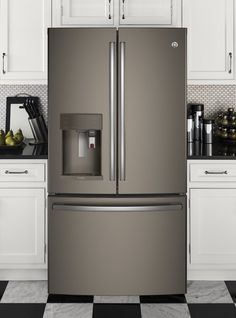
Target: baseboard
[
  {"x": 23, "y": 274},
  {"x": 211, "y": 275}
]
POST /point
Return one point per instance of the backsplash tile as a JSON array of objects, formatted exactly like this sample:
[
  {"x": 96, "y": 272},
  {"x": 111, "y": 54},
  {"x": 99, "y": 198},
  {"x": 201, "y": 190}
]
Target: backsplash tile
[
  {"x": 12, "y": 90},
  {"x": 214, "y": 97}
]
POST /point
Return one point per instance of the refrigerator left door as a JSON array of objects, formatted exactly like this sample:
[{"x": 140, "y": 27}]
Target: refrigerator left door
[{"x": 82, "y": 110}]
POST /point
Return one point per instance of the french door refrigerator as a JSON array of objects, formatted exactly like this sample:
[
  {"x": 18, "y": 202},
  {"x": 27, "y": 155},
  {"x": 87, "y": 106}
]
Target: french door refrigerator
[{"x": 117, "y": 161}]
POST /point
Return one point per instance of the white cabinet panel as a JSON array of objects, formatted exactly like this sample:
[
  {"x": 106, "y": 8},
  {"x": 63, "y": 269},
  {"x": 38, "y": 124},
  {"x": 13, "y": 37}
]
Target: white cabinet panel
[
  {"x": 87, "y": 12},
  {"x": 23, "y": 34},
  {"x": 212, "y": 227},
  {"x": 22, "y": 226},
  {"x": 22, "y": 172},
  {"x": 210, "y": 26},
  {"x": 146, "y": 12}
]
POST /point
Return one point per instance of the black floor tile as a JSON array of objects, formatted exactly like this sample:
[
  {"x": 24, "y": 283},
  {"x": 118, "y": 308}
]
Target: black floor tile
[
  {"x": 22, "y": 310},
  {"x": 53, "y": 298},
  {"x": 231, "y": 285},
  {"x": 3, "y": 285},
  {"x": 116, "y": 311},
  {"x": 212, "y": 310},
  {"x": 163, "y": 299}
]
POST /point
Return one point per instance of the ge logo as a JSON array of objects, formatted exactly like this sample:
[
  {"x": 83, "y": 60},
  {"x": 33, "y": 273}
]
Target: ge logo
[{"x": 174, "y": 44}]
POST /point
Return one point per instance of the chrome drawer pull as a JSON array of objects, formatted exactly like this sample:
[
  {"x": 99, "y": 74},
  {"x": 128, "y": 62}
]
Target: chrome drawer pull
[
  {"x": 16, "y": 172},
  {"x": 216, "y": 172}
]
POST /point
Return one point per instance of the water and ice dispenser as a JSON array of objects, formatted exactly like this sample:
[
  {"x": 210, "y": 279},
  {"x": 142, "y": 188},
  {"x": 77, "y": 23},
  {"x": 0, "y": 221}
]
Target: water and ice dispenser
[{"x": 81, "y": 142}]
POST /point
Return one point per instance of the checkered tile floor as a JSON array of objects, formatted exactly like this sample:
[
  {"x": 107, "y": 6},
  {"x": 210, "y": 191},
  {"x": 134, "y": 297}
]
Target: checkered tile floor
[{"x": 205, "y": 299}]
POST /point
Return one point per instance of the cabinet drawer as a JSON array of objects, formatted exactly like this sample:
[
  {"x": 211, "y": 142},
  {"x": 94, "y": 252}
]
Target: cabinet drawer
[
  {"x": 22, "y": 172},
  {"x": 212, "y": 172}
]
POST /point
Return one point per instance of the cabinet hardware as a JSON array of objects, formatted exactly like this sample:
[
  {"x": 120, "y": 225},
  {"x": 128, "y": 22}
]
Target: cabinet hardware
[
  {"x": 216, "y": 172},
  {"x": 16, "y": 172},
  {"x": 109, "y": 8},
  {"x": 123, "y": 9},
  {"x": 230, "y": 63},
  {"x": 3, "y": 63}
]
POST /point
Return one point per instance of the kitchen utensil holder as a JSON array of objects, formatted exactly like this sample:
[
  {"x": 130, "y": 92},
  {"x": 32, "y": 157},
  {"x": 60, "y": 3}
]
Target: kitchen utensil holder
[{"x": 39, "y": 130}]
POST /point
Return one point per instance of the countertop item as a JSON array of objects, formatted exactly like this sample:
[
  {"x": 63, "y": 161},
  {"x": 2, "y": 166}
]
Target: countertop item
[
  {"x": 216, "y": 150},
  {"x": 26, "y": 152}
]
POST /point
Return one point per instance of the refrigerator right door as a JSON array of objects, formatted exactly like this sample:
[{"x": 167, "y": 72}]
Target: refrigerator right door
[{"x": 151, "y": 109}]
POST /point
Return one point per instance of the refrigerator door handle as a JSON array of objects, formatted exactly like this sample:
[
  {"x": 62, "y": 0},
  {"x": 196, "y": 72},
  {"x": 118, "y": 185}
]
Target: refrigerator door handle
[
  {"x": 112, "y": 102},
  {"x": 139, "y": 208},
  {"x": 122, "y": 114}
]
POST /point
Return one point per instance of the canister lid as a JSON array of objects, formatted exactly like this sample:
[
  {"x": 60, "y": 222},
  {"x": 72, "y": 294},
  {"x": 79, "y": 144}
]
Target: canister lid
[
  {"x": 196, "y": 107},
  {"x": 208, "y": 121}
]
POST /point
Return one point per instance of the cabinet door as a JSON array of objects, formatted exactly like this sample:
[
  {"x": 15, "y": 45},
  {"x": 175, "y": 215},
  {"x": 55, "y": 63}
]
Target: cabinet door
[
  {"x": 87, "y": 12},
  {"x": 210, "y": 26},
  {"x": 23, "y": 36},
  {"x": 161, "y": 12},
  {"x": 213, "y": 224},
  {"x": 22, "y": 226}
]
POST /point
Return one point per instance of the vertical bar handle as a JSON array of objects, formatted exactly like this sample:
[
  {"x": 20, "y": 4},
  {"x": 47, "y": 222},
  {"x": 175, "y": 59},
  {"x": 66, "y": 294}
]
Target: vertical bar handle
[
  {"x": 109, "y": 9},
  {"x": 3, "y": 63},
  {"x": 112, "y": 102},
  {"x": 123, "y": 9},
  {"x": 122, "y": 114},
  {"x": 230, "y": 62}
]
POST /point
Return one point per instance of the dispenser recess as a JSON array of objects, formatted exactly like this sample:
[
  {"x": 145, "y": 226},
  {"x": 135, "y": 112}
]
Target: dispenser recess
[{"x": 81, "y": 144}]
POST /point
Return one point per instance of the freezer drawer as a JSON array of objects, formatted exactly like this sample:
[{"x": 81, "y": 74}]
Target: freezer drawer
[{"x": 117, "y": 250}]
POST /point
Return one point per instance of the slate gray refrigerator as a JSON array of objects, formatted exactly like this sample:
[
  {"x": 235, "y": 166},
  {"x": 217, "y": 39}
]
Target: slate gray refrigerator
[{"x": 117, "y": 161}]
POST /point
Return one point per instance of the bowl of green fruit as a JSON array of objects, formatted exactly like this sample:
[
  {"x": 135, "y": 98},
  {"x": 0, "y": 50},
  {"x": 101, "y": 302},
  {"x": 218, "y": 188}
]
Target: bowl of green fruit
[{"x": 11, "y": 140}]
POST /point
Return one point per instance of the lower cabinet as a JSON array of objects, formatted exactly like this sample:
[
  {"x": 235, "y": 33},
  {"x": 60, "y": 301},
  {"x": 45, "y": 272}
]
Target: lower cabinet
[
  {"x": 22, "y": 226},
  {"x": 212, "y": 219},
  {"x": 213, "y": 226},
  {"x": 23, "y": 219}
]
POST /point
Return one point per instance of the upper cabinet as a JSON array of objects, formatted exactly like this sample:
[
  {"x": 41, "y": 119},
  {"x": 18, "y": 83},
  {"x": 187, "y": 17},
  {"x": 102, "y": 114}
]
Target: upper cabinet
[
  {"x": 23, "y": 44},
  {"x": 210, "y": 26},
  {"x": 161, "y": 12},
  {"x": 116, "y": 12}
]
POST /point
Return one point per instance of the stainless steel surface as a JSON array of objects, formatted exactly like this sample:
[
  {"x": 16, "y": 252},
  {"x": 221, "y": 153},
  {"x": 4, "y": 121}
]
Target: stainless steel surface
[
  {"x": 216, "y": 172},
  {"x": 122, "y": 114},
  {"x": 162, "y": 207},
  {"x": 3, "y": 63},
  {"x": 112, "y": 47},
  {"x": 117, "y": 253},
  {"x": 230, "y": 62},
  {"x": 155, "y": 104},
  {"x": 16, "y": 172},
  {"x": 79, "y": 86}
]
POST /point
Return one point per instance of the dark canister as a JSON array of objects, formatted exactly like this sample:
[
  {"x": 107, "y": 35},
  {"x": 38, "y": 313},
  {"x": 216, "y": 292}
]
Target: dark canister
[
  {"x": 197, "y": 111},
  {"x": 208, "y": 131}
]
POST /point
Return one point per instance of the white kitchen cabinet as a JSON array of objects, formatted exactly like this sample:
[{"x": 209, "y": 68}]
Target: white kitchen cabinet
[
  {"x": 23, "y": 40},
  {"x": 160, "y": 12},
  {"x": 213, "y": 224},
  {"x": 116, "y": 12},
  {"x": 211, "y": 43},
  {"x": 22, "y": 217},
  {"x": 211, "y": 219}
]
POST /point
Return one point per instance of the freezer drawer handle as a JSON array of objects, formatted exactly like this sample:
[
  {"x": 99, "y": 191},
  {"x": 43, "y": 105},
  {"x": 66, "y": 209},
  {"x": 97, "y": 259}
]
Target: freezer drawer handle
[
  {"x": 16, "y": 172},
  {"x": 112, "y": 88},
  {"x": 122, "y": 114},
  {"x": 216, "y": 172},
  {"x": 85, "y": 208}
]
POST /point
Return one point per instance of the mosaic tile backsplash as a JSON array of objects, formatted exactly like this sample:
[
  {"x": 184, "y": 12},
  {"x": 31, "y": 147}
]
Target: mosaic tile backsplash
[
  {"x": 12, "y": 90},
  {"x": 214, "y": 97}
]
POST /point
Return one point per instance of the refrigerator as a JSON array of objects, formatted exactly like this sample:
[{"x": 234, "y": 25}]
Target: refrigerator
[{"x": 117, "y": 161}]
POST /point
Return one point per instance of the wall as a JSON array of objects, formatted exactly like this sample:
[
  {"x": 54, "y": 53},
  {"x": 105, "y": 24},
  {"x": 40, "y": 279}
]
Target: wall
[{"x": 214, "y": 97}]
